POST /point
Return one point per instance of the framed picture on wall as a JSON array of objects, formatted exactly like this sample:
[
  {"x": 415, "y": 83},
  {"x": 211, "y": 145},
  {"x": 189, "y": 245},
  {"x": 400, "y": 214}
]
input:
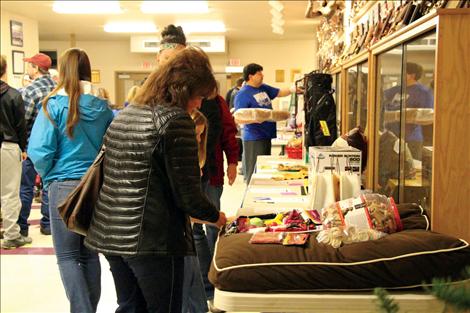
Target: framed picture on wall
[
  {"x": 16, "y": 33},
  {"x": 17, "y": 61},
  {"x": 95, "y": 76},
  {"x": 53, "y": 55}
]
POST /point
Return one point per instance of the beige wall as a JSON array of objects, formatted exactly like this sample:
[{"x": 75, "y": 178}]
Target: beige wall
[
  {"x": 108, "y": 57},
  {"x": 112, "y": 56},
  {"x": 284, "y": 55},
  {"x": 277, "y": 55},
  {"x": 30, "y": 42}
]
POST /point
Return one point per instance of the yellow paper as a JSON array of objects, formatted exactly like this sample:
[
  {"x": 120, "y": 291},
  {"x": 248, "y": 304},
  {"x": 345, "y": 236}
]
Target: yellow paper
[{"x": 324, "y": 128}]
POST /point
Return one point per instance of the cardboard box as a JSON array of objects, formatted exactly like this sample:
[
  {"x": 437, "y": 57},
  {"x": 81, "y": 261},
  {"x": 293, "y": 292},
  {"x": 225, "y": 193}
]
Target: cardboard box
[{"x": 325, "y": 158}]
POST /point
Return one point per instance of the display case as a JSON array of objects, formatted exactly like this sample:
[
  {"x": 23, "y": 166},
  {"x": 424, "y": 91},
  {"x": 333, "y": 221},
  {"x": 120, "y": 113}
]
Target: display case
[
  {"x": 356, "y": 101},
  {"x": 417, "y": 130},
  {"x": 404, "y": 120}
]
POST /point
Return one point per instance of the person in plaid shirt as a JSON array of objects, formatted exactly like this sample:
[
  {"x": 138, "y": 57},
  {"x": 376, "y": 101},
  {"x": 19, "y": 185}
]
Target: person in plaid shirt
[{"x": 38, "y": 70}]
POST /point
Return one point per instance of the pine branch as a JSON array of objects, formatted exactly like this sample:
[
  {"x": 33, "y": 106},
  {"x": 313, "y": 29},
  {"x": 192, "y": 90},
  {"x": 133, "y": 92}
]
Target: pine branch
[
  {"x": 385, "y": 303},
  {"x": 455, "y": 294}
]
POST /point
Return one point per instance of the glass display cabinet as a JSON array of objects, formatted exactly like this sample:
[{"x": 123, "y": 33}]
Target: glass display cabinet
[
  {"x": 410, "y": 93},
  {"x": 404, "y": 120},
  {"x": 356, "y": 101}
]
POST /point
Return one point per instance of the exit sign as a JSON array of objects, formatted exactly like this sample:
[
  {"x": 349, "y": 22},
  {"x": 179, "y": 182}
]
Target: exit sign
[{"x": 234, "y": 62}]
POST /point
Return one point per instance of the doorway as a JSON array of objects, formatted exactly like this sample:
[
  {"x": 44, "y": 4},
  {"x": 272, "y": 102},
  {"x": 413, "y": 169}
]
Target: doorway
[{"x": 124, "y": 81}]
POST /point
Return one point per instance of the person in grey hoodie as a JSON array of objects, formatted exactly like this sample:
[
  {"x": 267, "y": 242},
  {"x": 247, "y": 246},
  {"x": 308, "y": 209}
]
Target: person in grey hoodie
[{"x": 65, "y": 139}]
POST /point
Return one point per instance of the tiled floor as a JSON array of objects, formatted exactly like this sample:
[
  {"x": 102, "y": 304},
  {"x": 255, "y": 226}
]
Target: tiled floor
[{"x": 30, "y": 281}]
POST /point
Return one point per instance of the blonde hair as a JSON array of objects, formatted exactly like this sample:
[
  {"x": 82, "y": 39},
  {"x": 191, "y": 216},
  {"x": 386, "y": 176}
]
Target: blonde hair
[
  {"x": 132, "y": 93},
  {"x": 74, "y": 66},
  {"x": 200, "y": 120},
  {"x": 102, "y": 93}
]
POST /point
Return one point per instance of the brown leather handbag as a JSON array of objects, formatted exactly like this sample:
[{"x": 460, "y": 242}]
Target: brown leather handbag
[{"x": 77, "y": 209}]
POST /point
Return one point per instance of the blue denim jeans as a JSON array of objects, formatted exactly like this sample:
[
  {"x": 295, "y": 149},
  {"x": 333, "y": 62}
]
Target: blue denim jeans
[
  {"x": 147, "y": 283},
  {"x": 205, "y": 242},
  {"x": 79, "y": 267},
  {"x": 194, "y": 296},
  {"x": 28, "y": 178}
]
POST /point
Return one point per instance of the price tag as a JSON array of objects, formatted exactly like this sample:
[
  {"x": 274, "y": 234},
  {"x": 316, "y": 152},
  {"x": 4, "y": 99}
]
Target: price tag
[{"x": 324, "y": 128}]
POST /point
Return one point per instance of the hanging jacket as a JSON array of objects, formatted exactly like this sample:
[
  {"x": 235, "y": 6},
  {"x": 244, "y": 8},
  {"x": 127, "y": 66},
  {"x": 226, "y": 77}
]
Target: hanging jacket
[{"x": 320, "y": 111}]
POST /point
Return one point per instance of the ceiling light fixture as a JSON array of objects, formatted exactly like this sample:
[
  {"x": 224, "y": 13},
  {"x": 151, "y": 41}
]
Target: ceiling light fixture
[
  {"x": 172, "y": 7},
  {"x": 277, "y": 20},
  {"x": 276, "y": 13},
  {"x": 130, "y": 27},
  {"x": 277, "y": 5},
  {"x": 203, "y": 27},
  {"x": 87, "y": 7}
]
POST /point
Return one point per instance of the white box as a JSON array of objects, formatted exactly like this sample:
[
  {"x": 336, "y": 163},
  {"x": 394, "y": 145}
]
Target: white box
[{"x": 340, "y": 160}]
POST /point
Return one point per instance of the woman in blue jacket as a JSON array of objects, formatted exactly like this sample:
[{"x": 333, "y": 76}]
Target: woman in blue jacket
[{"x": 65, "y": 139}]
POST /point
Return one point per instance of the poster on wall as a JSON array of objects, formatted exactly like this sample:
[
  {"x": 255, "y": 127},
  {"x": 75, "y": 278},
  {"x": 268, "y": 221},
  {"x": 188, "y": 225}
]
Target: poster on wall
[
  {"x": 18, "y": 63},
  {"x": 16, "y": 32},
  {"x": 279, "y": 76},
  {"x": 95, "y": 76}
]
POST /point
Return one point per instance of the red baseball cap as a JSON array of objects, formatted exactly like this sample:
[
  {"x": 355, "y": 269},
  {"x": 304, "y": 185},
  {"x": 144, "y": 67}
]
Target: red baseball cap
[{"x": 41, "y": 60}]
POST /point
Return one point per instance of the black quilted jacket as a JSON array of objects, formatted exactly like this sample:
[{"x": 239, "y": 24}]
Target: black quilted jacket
[{"x": 151, "y": 185}]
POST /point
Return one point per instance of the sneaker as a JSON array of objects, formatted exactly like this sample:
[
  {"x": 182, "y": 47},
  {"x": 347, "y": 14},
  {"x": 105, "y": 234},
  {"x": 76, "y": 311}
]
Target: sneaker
[
  {"x": 15, "y": 243},
  {"x": 212, "y": 308},
  {"x": 45, "y": 231},
  {"x": 24, "y": 232}
]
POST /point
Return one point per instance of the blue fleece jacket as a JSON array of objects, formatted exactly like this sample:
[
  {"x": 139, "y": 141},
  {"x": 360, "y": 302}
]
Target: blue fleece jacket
[{"x": 57, "y": 157}]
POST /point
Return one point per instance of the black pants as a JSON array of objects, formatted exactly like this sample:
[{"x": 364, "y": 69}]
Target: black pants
[{"x": 148, "y": 284}]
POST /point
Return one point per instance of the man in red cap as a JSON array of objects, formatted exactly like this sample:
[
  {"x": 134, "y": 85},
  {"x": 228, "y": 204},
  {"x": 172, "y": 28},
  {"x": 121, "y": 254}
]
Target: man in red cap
[{"x": 37, "y": 68}]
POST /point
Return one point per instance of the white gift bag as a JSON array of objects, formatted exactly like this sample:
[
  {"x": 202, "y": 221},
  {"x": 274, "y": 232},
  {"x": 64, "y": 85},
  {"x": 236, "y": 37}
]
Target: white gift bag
[
  {"x": 323, "y": 190},
  {"x": 349, "y": 186}
]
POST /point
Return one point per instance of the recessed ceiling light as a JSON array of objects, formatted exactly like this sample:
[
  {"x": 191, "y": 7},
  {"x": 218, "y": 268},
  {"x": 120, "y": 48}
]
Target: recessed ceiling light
[
  {"x": 130, "y": 27},
  {"x": 169, "y": 7},
  {"x": 87, "y": 7},
  {"x": 203, "y": 27}
]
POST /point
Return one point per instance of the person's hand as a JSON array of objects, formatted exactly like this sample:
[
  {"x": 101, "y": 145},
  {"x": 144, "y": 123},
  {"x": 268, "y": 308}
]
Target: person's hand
[
  {"x": 299, "y": 90},
  {"x": 231, "y": 173},
  {"x": 221, "y": 221},
  {"x": 24, "y": 156}
]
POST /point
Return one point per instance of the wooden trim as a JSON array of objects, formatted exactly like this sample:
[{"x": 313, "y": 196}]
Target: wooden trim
[
  {"x": 371, "y": 111},
  {"x": 455, "y": 11},
  {"x": 413, "y": 30},
  {"x": 359, "y": 58},
  {"x": 344, "y": 95},
  {"x": 450, "y": 164},
  {"x": 335, "y": 70}
]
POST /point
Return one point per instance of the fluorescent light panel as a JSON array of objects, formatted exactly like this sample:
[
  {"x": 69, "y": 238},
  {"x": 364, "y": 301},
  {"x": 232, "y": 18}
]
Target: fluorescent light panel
[
  {"x": 87, "y": 7},
  {"x": 171, "y": 7},
  {"x": 130, "y": 27},
  {"x": 277, "y": 5},
  {"x": 203, "y": 27}
]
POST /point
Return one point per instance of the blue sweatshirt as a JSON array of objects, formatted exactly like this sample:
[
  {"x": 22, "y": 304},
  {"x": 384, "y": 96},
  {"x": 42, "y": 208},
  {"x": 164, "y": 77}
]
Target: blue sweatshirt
[{"x": 55, "y": 156}]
